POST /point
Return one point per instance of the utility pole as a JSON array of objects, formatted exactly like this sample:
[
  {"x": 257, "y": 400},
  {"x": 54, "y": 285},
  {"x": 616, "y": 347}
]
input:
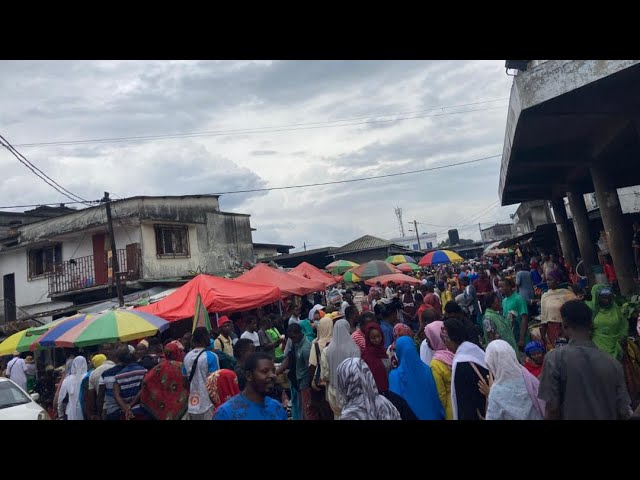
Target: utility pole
[
  {"x": 415, "y": 224},
  {"x": 481, "y": 238},
  {"x": 115, "y": 264},
  {"x": 305, "y": 246}
]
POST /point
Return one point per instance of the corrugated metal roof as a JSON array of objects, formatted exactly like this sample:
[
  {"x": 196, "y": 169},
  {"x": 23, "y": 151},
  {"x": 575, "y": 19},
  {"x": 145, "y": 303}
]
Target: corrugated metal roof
[
  {"x": 363, "y": 243},
  {"x": 296, "y": 255}
]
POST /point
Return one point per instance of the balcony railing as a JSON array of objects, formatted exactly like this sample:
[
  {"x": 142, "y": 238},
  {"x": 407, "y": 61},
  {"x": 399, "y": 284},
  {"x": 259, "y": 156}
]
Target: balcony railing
[{"x": 80, "y": 273}]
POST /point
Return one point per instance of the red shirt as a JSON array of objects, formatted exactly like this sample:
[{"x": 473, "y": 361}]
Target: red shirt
[{"x": 610, "y": 272}]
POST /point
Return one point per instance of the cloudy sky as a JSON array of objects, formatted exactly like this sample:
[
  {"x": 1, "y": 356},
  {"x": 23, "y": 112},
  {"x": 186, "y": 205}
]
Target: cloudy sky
[{"x": 267, "y": 124}]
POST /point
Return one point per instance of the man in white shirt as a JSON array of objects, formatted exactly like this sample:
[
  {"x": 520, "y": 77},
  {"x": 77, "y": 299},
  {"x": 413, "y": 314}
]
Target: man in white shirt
[
  {"x": 348, "y": 300},
  {"x": 198, "y": 364},
  {"x": 390, "y": 291},
  {"x": 251, "y": 333},
  {"x": 17, "y": 371}
]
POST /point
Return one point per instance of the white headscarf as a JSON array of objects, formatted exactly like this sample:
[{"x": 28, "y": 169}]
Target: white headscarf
[
  {"x": 514, "y": 393},
  {"x": 340, "y": 348},
  {"x": 71, "y": 386},
  {"x": 362, "y": 400},
  {"x": 313, "y": 311},
  {"x": 467, "y": 352}
]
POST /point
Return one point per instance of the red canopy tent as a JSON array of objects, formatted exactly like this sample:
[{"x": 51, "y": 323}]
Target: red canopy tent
[
  {"x": 397, "y": 278},
  {"x": 288, "y": 284},
  {"x": 310, "y": 272},
  {"x": 218, "y": 295}
]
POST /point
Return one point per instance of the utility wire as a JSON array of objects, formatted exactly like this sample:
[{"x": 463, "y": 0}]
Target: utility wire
[
  {"x": 276, "y": 128},
  {"x": 39, "y": 173},
  {"x": 55, "y": 204},
  {"x": 336, "y": 182}
]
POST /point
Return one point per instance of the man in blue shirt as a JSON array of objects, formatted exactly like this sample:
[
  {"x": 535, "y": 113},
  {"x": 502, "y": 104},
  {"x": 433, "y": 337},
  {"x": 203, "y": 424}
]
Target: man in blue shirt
[
  {"x": 253, "y": 403},
  {"x": 389, "y": 319}
]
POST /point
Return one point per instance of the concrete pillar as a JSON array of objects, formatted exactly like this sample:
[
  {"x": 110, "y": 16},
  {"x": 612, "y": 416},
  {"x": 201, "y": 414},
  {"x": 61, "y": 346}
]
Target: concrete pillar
[
  {"x": 614, "y": 226},
  {"x": 581, "y": 226},
  {"x": 562, "y": 224}
]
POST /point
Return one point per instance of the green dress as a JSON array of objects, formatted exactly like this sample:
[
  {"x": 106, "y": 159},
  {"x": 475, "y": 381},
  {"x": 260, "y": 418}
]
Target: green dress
[
  {"x": 494, "y": 321},
  {"x": 609, "y": 326},
  {"x": 517, "y": 304}
]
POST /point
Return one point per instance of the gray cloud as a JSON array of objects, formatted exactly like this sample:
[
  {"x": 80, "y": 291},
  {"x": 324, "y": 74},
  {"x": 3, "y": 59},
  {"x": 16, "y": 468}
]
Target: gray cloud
[{"x": 72, "y": 100}]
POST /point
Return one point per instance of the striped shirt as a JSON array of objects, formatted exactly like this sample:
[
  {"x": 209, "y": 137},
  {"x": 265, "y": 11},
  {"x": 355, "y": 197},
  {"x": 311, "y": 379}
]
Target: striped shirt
[
  {"x": 108, "y": 380},
  {"x": 358, "y": 337},
  {"x": 130, "y": 381}
]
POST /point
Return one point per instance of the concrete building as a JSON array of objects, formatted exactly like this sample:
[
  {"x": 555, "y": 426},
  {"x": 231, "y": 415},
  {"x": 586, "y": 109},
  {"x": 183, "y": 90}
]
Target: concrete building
[
  {"x": 531, "y": 215},
  {"x": 267, "y": 250},
  {"x": 318, "y": 257},
  {"x": 573, "y": 128},
  {"x": 56, "y": 263},
  {"x": 499, "y": 231},
  {"x": 427, "y": 241}
]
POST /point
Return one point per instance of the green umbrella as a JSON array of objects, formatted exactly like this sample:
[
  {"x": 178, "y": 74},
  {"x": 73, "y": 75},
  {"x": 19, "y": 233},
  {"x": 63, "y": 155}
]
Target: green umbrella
[{"x": 340, "y": 266}]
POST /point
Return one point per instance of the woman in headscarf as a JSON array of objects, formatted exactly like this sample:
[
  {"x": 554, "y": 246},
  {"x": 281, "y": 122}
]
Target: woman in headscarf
[
  {"x": 513, "y": 393},
  {"x": 432, "y": 300},
  {"x": 341, "y": 347},
  {"x": 222, "y": 385},
  {"x": 535, "y": 358},
  {"x": 413, "y": 381},
  {"x": 319, "y": 402},
  {"x": 308, "y": 324},
  {"x": 399, "y": 330},
  {"x": 494, "y": 325},
  {"x": 70, "y": 389},
  {"x": 550, "y": 303},
  {"x": 356, "y": 385},
  {"x": 468, "y": 366},
  {"x": 375, "y": 356},
  {"x": 164, "y": 396},
  {"x": 441, "y": 365},
  {"x": 609, "y": 326}
]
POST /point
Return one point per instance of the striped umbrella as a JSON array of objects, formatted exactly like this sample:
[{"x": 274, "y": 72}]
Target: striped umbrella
[
  {"x": 28, "y": 340},
  {"x": 112, "y": 326},
  {"x": 398, "y": 259},
  {"x": 374, "y": 268},
  {"x": 60, "y": 328},
  {"x": 340, "y": 266},
  {"x": 438, "y": 257},
  {"x": 408, "y": 267}
]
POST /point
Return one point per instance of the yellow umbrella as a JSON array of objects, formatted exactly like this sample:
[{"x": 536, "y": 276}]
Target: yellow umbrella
[{"x": 10, "y": 344}]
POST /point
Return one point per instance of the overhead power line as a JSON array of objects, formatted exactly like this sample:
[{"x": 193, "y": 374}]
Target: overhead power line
[
  {"x": 362, "y": 179},
  {"x": 39, "y": 173},
  {"x": 250, "y": 131}
]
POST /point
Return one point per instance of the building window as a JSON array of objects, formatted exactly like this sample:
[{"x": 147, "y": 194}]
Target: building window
[
  {"x": 172, "y": 241},
  {"x": 429, "y": 245},
  {"x": 43, "y": 260}
]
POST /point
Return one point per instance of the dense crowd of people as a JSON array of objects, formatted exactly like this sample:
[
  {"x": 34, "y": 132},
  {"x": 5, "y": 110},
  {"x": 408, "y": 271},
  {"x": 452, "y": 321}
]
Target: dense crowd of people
[{"x": 514, "y": 340}]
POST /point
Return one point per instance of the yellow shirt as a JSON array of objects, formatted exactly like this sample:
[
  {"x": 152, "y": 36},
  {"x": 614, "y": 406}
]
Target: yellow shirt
[
  {"x": 225, "y": 343},
  {"x": 445, "y": 297},
  {"x": 442, "y": 375}
]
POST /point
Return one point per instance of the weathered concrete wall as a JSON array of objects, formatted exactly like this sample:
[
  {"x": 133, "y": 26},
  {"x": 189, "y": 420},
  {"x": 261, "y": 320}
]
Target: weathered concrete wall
[
  {"x": 154, "y": 267},
  {"x": 27, "y": 292},
  {"x": 188, "y": 210},
  {"x": 227, "y": 241}
]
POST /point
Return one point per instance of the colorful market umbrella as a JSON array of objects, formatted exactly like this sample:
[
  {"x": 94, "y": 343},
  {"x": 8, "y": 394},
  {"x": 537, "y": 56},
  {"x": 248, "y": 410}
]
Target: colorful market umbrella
[
  {"x": 397, "y": 278},
  {"x": 340, "y": 266},
  {"x": 28, "y": 340},
  {"x": 408, "y": 267},
  {"x": 438, "y": 257},
  {"x": 374, "y": 268},
  {"x": 60, "y": 328},
  {"x": 112, "y": 326},
  {"x": 10, "y": 344},
  {"x": 398, "y": 259},
  {"x": 351, "y": 277}
]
